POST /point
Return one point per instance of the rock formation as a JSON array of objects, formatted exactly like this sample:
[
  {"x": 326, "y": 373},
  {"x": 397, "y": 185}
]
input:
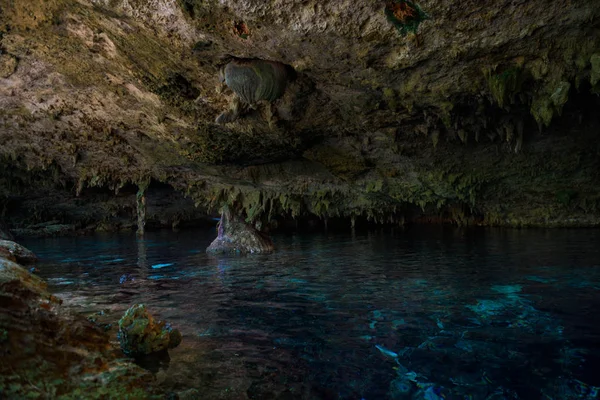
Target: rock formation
[
  {"x": 49, "y": 353},
  {"x": 15, "y": 252},
  {"x": 234, "y": 235},
  {"x": 140, "y": 335},
  {"x": 252, "y": 81},
  {"x": 471, "y": 113}
]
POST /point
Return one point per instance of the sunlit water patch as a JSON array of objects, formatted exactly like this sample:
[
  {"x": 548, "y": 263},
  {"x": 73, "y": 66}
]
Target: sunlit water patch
[{"x": 420, "y": 314}]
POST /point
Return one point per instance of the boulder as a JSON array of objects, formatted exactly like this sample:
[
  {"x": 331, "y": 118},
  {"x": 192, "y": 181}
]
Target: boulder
[
  {"x": 140, "y": 335},
  {"x": 15, "y": 252},
  {"x": 48, "y": 352},
  {"x": 237, "y": 236}
]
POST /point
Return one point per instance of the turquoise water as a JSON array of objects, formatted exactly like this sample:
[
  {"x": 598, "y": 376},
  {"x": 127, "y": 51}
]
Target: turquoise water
[{"x": 428, "y": 313}]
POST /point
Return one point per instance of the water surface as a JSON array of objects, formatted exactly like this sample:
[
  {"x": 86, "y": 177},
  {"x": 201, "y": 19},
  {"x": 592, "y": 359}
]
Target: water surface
[{"x": 427, "y": 313}]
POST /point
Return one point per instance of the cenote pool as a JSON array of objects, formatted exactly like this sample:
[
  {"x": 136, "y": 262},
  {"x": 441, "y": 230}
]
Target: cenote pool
[{"x": 424, "y": 313}]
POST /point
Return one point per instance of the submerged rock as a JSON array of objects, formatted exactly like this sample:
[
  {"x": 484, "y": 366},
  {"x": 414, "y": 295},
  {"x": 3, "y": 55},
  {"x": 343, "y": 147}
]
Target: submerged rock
[
  {"x": 47, "y": 352},
  {"x": 15, "y": 252},
  {"x": 236, "y": 236},
  {"x": 400, "y": 388},
  {"x": 139, "y": 334}
]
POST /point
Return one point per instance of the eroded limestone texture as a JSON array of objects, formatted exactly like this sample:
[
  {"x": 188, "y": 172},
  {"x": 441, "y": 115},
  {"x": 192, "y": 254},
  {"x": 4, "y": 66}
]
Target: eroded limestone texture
[
  {"x": 8, "y": 64},
  {"x": 478, "y": 114},
  {"x": 253, "y": 81},
  {"x": 237, "y": 236}
]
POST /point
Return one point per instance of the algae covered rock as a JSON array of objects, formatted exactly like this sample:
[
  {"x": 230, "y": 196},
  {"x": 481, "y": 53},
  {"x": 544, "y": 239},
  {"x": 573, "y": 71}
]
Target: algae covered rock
[
  {"x": 139, "y": 334},
  {"x": 16, "y": 252},
  {"x": 48, "y": 352},
  {"x": 236, "y": 236}
]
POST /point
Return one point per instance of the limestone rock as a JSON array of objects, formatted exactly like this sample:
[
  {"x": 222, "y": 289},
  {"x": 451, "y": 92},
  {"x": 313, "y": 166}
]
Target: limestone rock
[
  {"x": 43, "y": 347},
  {"x": 139, "y": 334},
  {"x": 8, "y": 64},
  {"x": 253, "y": 81},
  {"x": 16, "y": 252},
  {"x": 236, "y": 236},
  {"x": 405, "y": 109}
]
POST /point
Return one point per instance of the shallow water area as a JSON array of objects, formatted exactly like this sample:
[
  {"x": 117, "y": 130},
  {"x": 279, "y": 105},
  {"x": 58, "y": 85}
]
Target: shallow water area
[{"x": 423, "y": 313}]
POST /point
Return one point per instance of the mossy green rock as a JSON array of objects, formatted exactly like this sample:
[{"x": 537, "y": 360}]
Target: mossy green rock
[{"x": 139, "y": 334}]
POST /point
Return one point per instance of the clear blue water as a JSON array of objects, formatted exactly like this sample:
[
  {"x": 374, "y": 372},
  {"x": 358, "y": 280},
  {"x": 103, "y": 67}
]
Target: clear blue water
[{"x": 428, "y": 313}]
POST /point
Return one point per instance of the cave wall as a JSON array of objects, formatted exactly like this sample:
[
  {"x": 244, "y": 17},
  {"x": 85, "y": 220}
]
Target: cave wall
[{"x": 468, "y": 112}]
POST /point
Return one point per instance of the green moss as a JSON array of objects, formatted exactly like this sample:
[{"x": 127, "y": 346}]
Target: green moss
[
  {"x": 595, "y": 71},
  {"x": 374, "y": 186},
  {"x": 389, "y": 96},
  {"x": 549, "y": 101},
  {"x": 446, "y": 108},
  {"x": 560, "y": 95},
  {"x": 538, "y": 68},
  {"x": 504, "y": 85}
]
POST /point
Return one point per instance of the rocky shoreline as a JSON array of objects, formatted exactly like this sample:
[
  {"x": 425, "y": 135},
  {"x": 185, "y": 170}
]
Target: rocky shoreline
[{"x": 48, "y": 352}]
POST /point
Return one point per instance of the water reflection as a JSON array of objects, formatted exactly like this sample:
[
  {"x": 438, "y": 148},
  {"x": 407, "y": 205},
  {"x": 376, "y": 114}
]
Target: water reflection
[{"x": 433, "y": 313}]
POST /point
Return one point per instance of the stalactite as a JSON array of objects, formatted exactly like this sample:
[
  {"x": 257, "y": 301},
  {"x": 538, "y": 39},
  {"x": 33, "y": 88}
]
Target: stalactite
[{"x": 141, "y": 209}]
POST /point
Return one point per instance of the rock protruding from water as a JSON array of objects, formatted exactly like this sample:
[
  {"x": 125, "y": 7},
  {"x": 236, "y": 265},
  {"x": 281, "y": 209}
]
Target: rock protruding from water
[
  {"x": 15, "y": 252},
  {"x": 140, "y": 335},
  {"x": 48, "y": 352},
  {"x": 237, "y": 236}
]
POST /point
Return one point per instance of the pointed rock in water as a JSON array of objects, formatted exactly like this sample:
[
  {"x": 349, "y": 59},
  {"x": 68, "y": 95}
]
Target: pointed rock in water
[
  {"x": 236, "y": 236},
  {"x": 139, "y": 334},
  {"x": 16, "y": 252}
]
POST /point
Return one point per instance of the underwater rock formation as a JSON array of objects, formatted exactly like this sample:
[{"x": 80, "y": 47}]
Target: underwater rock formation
[
  {"x": 237, "y": 236},
  {"x": 16, "y": 252},
  {"x": 140, "y": 335},
  {"x": 252, "y": 81},
  {"x": 47, "y": 352}
]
